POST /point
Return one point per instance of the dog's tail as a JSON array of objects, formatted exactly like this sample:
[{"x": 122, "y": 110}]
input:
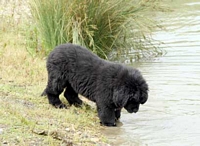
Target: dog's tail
[{"x": 44, "y": 93}]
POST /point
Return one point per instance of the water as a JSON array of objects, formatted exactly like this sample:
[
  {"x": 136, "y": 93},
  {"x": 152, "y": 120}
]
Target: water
[{"x": 171, "y": 117}]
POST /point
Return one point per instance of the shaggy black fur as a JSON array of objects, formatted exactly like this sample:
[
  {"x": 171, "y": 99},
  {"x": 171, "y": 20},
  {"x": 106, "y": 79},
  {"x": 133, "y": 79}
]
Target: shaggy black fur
[{"x": 110, "y": 85}]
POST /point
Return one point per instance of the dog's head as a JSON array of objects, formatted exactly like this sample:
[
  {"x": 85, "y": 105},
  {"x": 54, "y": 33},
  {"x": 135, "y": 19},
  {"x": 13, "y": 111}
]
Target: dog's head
[{"x": 132, "y": 92}]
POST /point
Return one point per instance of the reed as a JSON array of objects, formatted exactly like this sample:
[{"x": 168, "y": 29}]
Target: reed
[{"x": 100, "y": 25}]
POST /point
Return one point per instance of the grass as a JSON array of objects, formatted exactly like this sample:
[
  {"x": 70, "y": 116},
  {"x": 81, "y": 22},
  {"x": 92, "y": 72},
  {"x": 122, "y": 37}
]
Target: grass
[
  {"x": 102, "y": 26},
  {"x": 27, "y": 118}
]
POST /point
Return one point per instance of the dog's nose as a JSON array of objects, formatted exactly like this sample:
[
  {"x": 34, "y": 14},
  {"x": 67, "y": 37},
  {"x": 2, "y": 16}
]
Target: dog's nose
[{"x": 135, "y": 110}]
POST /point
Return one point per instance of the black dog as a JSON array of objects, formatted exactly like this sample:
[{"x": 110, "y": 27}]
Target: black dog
[{"x": 110, "y": 85}]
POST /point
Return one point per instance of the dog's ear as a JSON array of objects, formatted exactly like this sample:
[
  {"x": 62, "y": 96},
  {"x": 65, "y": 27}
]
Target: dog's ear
[
  {"x": 136, "y": 96},
  {"x": 120, "y": 98},
  {"x": 143, "y": 93},
  {"x": 143, "y": 97}
]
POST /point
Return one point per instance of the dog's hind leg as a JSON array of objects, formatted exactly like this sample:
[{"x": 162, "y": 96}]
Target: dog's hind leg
[
  {"x": 54, "y": 88},
  {"x": 72, "y": 96}
]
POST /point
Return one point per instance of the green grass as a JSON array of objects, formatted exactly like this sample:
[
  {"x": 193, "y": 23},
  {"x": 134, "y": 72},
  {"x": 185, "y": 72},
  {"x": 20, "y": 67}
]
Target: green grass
[
  {"x": 102, "y": 26},
  {"x": 26, "y": 117}
]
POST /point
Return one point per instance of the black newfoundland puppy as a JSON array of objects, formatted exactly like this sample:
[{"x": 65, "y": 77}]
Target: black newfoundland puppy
[{"x": 111, "y": 86}]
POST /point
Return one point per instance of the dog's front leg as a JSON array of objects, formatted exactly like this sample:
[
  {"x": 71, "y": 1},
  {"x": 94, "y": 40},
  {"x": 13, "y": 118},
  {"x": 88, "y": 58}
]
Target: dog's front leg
[
  {"x": 117, "y": 114},
  {"x": 106, "y": 115}
]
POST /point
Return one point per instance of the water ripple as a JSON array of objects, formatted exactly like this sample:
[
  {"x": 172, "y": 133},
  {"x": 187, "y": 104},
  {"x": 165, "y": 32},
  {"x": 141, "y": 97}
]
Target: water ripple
[{"x": 171, "y": 116}]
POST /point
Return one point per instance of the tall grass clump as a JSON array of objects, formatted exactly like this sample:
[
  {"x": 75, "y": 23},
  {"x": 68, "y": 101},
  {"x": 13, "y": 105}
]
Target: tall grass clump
[{"x": 100, "y": 25}]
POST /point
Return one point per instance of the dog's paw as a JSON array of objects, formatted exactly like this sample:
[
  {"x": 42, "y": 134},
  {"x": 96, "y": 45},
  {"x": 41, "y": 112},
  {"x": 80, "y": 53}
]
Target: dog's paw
[
  {"x": 77, "y": 104},
  {"x": 117, "y": 119},
  {"x": 108, "y": 124},
  {"x": 60, "y": 106}
]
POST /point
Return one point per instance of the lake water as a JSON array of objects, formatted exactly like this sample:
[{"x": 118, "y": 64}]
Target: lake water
[{"x": 171, "y": 116}]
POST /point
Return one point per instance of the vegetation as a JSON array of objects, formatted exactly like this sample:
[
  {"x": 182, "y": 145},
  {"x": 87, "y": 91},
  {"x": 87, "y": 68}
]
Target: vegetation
[
  {"x": 25, "y": 117},
  {"x": 28, "y": 119},
  {"x": 100, "y": 25}
]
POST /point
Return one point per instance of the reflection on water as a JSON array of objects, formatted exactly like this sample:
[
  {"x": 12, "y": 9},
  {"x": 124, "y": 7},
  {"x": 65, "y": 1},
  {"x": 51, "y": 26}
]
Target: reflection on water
[{"x": 171, "y": 117}]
